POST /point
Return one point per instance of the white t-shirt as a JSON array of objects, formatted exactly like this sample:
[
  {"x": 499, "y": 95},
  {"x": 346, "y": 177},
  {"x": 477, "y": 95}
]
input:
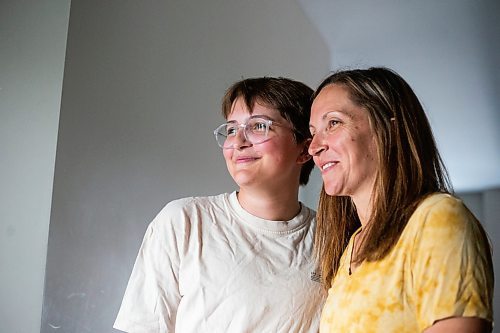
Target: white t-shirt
[{"x": 207, "y": 265}]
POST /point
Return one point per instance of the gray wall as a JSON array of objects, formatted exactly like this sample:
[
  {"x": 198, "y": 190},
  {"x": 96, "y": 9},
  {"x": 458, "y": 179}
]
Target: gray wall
[
  {"x": 142, "y": 86},
  {"x": 448, "y": 50},
  {"x": 486, "y": 206},
  {"x": 491, "y": 211},
  {"x": 33, "y": 42}
]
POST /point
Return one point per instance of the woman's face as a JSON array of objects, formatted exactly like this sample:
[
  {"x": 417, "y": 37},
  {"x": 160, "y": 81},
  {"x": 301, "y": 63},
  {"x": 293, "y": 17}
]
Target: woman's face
[
  {"x": 271, "y": 165},
  {"x": 343, "y": 145}
]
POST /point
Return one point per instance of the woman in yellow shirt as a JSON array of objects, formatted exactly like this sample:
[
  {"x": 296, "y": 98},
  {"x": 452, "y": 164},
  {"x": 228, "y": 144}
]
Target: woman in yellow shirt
[{"x": 397, "y": 251}]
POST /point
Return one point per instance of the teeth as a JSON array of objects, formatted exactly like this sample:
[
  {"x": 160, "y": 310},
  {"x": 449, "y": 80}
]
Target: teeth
[{"x": 327, "y": 165}]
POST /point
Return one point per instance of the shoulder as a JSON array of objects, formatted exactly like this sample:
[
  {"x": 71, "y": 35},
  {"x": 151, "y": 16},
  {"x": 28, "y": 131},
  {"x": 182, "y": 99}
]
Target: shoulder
[
  {"x": 184, "y": 209},
  {"x": 441, "y": 210},
  {"x": 181, "y": 218},
  {"x": 440, "y": 201},
  {"x": 449, "y": 259},
  {"x": 193, "y": 203},
  {"x": 443, "y": 221}
]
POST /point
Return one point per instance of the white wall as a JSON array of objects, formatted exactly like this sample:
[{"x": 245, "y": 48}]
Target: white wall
[
  {"x": 448, "y": 51},
  {"x": 33, "y": 40},
  {"x": 142, "y": 86}
]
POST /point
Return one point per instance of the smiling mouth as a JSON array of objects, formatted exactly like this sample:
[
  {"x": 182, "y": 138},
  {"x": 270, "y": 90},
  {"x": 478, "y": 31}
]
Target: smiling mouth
[
  {"x": 245, "y": 159},
  {"x": 327, "y": 166}
]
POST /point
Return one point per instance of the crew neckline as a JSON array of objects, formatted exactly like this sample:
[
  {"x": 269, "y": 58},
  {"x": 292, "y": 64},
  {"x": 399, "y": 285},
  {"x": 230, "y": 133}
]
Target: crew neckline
[{"x": 269, "y": 226}]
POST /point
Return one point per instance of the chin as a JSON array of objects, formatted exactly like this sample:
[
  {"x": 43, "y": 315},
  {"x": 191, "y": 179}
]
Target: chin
[
  {"x": 332, "y": 191},
  {"x": 242, "y": 181}
]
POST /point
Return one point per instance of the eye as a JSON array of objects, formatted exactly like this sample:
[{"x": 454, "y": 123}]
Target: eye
[
  {"x": 231, "y": 130},
  {"x": 332, "y": 123},
  {"x": 259, "y": 127}
]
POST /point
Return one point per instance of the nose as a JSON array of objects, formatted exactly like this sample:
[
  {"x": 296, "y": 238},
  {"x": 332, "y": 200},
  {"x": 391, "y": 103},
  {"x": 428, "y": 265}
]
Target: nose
[
  {"x": 317, "y": 145},
  {"x": 241, "y": 141}
]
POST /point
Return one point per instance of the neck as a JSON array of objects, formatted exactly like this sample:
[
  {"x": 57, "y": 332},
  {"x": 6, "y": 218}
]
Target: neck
[
  {"x": 364, "y": 209},
  {"x": 281, "y": 205}
]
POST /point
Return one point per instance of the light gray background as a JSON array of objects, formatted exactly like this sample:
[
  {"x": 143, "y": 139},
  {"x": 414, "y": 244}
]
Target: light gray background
[
  {"x": 32, "y": 49},
  {"x": 142, "y": 86}
]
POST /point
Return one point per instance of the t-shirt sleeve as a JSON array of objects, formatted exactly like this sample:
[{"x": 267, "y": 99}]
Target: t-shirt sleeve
[
  {"x": 452, "y": 273},
  {"x": 152, "y": 295}
]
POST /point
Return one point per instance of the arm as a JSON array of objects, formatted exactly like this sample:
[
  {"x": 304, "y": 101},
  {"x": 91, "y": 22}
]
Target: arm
[
  {"x": 152, "y": 296},
  {"x": 452, "y": 272},
  {"x": 460, "y": 325}
]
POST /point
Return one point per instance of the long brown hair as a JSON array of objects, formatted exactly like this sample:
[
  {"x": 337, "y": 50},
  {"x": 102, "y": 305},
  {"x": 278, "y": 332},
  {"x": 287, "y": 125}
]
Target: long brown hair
[{"x": 410, "y": 168}]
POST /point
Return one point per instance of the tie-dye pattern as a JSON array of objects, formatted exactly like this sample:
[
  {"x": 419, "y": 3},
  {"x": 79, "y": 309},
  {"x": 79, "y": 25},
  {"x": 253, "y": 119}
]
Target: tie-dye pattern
[{"x": 439, "y": 268}]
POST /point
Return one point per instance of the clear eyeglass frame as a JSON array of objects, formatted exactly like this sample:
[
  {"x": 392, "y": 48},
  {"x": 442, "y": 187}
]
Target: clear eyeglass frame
[{"x": 255, "y": 130}]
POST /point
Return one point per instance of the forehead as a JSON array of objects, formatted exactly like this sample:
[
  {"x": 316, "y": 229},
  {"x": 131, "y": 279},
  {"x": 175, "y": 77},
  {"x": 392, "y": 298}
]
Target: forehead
[
  {"x": 240, "y": 111},
  {"x": 332, "y": 96},
  {"x": 335, "y": 99}
]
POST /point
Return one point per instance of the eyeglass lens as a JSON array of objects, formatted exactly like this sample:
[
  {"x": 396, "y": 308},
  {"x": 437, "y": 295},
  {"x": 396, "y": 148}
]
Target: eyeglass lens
[{"x": 255, "y": 131}]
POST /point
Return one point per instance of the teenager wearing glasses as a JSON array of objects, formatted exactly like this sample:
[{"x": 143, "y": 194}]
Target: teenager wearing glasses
[{"x": 240, "y": 261}]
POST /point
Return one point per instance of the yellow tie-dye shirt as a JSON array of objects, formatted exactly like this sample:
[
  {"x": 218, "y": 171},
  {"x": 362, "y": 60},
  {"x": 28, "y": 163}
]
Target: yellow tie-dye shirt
[{"x": 440, "y": 267}]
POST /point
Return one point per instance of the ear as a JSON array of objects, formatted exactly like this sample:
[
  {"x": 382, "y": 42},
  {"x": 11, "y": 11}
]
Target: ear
[{"x": 304, "y": 154}]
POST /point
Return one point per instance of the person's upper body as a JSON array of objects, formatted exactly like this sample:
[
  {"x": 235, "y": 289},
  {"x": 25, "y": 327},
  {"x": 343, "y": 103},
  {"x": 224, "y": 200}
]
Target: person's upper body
[
  {"x": 207, "y": 265},
  {"x": 448, "y": 279},
  {"x": 397, "y": 250},
  {"x": 240, "y": 261}
]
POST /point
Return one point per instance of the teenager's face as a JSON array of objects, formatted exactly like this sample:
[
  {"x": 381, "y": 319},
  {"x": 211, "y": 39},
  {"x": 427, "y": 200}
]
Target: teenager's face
[
  {"x": 343, "y": 145},
  {"x": 273, "y": 164}
]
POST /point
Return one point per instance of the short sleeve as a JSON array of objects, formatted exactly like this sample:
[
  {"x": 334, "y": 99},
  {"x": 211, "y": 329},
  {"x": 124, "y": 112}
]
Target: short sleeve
[
  {"x": 152, "y": 295},
  {"x": 452, "y": 272}
]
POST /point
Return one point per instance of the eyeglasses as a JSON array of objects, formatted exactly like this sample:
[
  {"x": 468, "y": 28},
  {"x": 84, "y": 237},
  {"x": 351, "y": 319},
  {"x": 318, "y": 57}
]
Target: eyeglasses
[{"x": 255, "y": 130}]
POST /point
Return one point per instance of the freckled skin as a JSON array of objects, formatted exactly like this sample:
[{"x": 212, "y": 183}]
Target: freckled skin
[{"x": 350, "y": 144}]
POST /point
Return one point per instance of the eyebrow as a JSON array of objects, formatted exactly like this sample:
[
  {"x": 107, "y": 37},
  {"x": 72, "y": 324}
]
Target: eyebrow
[
  {"x": 326, "y": 114},
  {"x": 261, "y": 116},
  {"x": 342, "y": 111},
  {"x": 255, "y": 116},
  {"x": 311, "y": 126}
]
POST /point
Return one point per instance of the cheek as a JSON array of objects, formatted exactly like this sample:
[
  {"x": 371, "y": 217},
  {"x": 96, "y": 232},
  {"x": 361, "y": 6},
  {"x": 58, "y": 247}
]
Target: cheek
[
  {"x": 227, "y": 153},
  {"x": 316, "y": 161},
  {"x": 340, "y": 142},
  {"x": 271, "y": 147},
  {"x": 369, "y": 157},
  {"x": 374, "y": 159}
]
